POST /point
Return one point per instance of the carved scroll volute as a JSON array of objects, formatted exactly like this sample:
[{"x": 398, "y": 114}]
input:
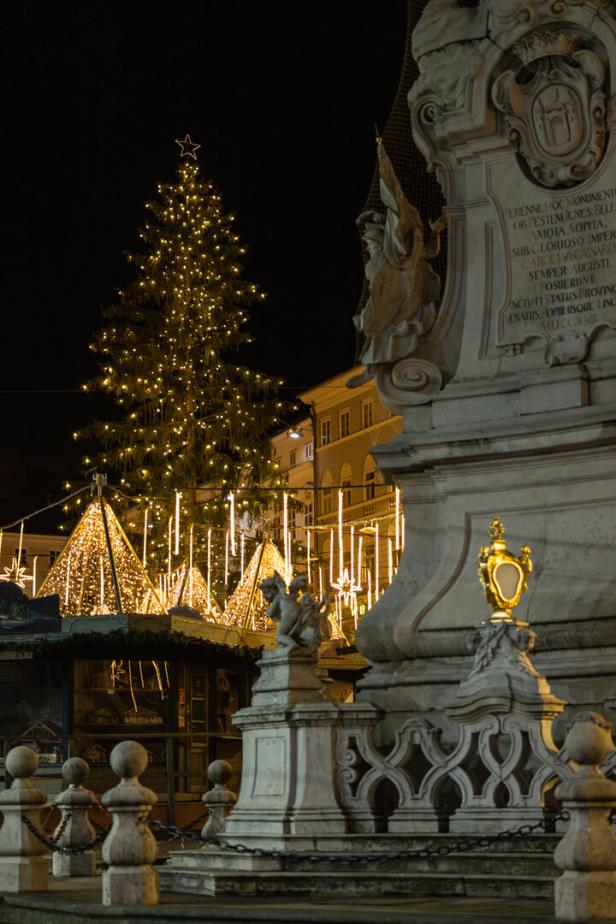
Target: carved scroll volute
[{"x": 408, "y": 382}]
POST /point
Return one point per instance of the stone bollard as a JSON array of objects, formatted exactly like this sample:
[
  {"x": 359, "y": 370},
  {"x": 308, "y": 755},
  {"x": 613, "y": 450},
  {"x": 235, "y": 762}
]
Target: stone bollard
[
  {"x": 75, "y": 825},
  {"x": 219, "y": 800},
  {"x": 23, "y": 866},
  {"x": 587, "y": 853},
  {"x": 130, "y": 847}
]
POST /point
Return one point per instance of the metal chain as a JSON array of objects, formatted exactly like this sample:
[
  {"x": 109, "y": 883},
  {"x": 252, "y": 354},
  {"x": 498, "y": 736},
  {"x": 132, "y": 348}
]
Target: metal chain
[
  {"x": 425, "y": 853},
  {"x": 53, "y": 843}
]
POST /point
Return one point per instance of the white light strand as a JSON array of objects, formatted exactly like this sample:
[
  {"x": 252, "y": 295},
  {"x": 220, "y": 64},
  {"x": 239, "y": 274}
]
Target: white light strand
[
  {"x": 369, "y": 589},
  {"x": 68, "y": 580},
  {"x": 226, "y": 557},
  {"x": 34, "y": 575},
  {"x": 178, "y": 497},
  {"x": 353, "y": 555},
  {"x": 331, "y": 556},
  {"x": 232, "y": 522},
  {"x": 359, "y": 561},
  {"x": 402, "y": 529},
  {"x": 390, "y": 560},
  {"x": 145, "y": 536},
  {"x": 242, "y": 551},
  {"x": 397, "y": 519},
  {"x": 102, "y": 583},
  {"x": 308, "y": 567}
]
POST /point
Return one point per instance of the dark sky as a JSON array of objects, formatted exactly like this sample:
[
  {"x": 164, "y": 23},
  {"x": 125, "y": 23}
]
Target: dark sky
[{"x": 283, "y": 97}]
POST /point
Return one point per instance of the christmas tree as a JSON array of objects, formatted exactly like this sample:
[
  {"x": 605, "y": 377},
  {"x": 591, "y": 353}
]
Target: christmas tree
[{"x": 192, "y": 418}]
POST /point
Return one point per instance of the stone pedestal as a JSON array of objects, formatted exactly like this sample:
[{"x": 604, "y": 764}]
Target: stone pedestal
[
  {"x": 77, "y": 831},
  {"x": 23, "y": 868},
  {"x": 509, "y": 398}
]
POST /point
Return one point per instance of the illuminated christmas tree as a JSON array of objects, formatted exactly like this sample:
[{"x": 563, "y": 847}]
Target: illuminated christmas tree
[
  {"x": 82, "y": 574},
  {"x": 192, "y": 416}
]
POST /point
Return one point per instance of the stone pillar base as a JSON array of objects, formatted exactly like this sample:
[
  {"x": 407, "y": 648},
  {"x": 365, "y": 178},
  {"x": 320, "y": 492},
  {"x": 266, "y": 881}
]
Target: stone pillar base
[
  {"x": 130, "y": 885},
  {"x": 585, "y": 896},
  {"x": 24, "y": 874},
  {"x": 79, "y": 864}
]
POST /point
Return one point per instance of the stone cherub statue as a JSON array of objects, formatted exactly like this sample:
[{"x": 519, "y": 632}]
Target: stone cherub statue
[
  {"x": 302, "y": 621},
  {"x": 404, "y": 289}
]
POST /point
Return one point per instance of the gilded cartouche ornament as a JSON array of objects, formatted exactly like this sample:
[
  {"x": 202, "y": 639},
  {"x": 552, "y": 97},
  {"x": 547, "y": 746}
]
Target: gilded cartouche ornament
[{"x": 504, "y": 576}]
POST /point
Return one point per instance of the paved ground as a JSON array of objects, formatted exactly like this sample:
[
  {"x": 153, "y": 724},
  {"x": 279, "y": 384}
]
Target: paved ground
[{"x": 78, "y": 902}]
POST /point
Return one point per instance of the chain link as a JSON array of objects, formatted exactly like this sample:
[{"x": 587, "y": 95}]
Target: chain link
[
  {"x": 52, "y": 844},
  {"x": 424, "y": 853}
]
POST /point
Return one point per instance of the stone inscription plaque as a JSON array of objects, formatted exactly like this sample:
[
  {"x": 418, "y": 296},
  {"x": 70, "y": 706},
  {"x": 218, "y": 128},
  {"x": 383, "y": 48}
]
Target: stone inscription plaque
[{"x": 562, "y": 263}]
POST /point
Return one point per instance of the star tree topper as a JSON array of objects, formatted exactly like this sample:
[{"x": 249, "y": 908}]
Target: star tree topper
[{"x": 188, "y": 147}]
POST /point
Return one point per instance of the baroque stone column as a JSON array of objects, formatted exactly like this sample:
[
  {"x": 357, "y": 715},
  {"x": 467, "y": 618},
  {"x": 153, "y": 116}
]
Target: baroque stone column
[{"x": 508, "y": 385}]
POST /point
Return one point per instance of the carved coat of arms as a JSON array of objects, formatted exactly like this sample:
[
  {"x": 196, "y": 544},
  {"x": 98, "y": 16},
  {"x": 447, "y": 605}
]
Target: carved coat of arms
[{"x": 554, "y": 104}]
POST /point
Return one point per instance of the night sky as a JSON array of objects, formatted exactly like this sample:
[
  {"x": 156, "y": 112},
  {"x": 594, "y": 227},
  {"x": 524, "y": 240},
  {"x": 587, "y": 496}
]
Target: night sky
[{"x": 283, "y": 96}]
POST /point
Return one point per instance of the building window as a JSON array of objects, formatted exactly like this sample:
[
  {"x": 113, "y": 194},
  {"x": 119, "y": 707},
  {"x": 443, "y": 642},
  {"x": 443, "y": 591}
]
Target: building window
[
  {"x": 326, "y": 493},
  {"x": 369, "y": 479},
  {"x": 345, "y": 423},
  {"x": 23, "y": 558},
  {"x": 308, "y": 514},
  {"x": 293, "y": 458},
  {"x": 326, "y": 431},
  {"x": 366, "y": 414},
  {"x": 53, "y": 555},
  {"x": 309, "y": 450}
]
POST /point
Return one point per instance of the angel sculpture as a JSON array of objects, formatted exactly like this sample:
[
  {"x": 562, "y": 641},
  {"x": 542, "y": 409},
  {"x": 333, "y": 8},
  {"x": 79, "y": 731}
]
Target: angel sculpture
[
  {"x": 404, "y": 289},
  {"x": 303, "y": 622}
]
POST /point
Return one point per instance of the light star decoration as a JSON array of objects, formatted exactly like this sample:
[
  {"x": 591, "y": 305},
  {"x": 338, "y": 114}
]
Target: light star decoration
[
  {"x": 345, "y": 587},
  {"x": 189, "y": 148},
  {"x": 16, "y": 574}
]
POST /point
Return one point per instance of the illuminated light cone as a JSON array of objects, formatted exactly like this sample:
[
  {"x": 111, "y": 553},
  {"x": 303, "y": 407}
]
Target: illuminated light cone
[
  {"x": 190, "y": 589},
  {"x": 246, "y": 606},
  {"x": 82, "y": 573}
]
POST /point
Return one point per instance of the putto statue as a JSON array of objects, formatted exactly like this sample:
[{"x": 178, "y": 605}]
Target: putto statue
[
  {"x": 404, "y": 289},
  {"x": 302, "y": 621}
]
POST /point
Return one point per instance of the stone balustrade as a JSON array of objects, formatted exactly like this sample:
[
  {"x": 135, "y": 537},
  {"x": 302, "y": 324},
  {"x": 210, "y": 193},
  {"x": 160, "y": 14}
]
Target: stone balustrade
[
  {"x": 74, "y": 830},
  {"x": 130, "y": 847},
  {"x": 23, "y": 866}
]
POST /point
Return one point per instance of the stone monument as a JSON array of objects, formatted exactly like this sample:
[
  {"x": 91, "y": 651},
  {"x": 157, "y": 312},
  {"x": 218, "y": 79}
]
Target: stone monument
[{"x": 507, "y": 387}]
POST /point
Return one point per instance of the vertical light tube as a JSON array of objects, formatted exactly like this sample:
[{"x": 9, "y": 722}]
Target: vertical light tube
[
  {"x": 242, "y": 552},
  {"x": 331, "y": 557},
  {"x": 232, "y": 522},
  {"x": 68, "y": 579},
  {"x": 176, "y": 549},
  {"x": 285, "y": 533},
  {"x": 352, "y": 554},
  {"x": 321, "y": 580},
  {"x": 369, "y": 589},
  {"x": 308, "y": 566},
  {"x": 397, "y": 527},
  {"x": 190, "y": 565},
  {"x": 145, "y": 536},
  {"x": 102, "y": 583},
  {"x": 226, "y": 557},
  {"x": 359, "y": 561},
  {"x": 209, "y": 570},
  {"x": 34, "y": 576},
  {"x": 377, "y": 563},
  {"x": 340, "y": 539},
  {"x": 402, "y": 529},
  {"x": 169, "y": 535},
  {"x": 390, "y": 560},
  {"x": 21, "y": 542}
]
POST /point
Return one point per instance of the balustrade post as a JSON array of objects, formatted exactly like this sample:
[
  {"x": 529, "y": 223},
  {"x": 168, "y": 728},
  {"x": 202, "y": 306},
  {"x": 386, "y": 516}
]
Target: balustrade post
[
  {"x": 23, "y": 866},
  {"x": 130, "y": 847},
  {"x": 587, "y": 853},
  {"x": 219, "y": 800},
  {"x": 74, "y": 830}
]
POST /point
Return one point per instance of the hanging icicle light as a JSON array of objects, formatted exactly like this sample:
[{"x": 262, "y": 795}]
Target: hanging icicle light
[
  {"x": 178, "y": 497},
  {"x": 232, "y": 522},
  {"x": 144, "y": 558}
]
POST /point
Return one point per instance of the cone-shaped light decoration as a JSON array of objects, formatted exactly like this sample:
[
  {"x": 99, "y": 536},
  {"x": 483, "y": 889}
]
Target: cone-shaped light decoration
[
  {"x": 246, "y": 606},
  {"x": 190, "y": 589},
  {"x": 82, "y": 573}
]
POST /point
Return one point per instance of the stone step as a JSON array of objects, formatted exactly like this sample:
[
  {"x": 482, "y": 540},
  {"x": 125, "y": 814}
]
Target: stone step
[
  {"x": 359, "y": 882},
  {"x": 516, "y": 863}
]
